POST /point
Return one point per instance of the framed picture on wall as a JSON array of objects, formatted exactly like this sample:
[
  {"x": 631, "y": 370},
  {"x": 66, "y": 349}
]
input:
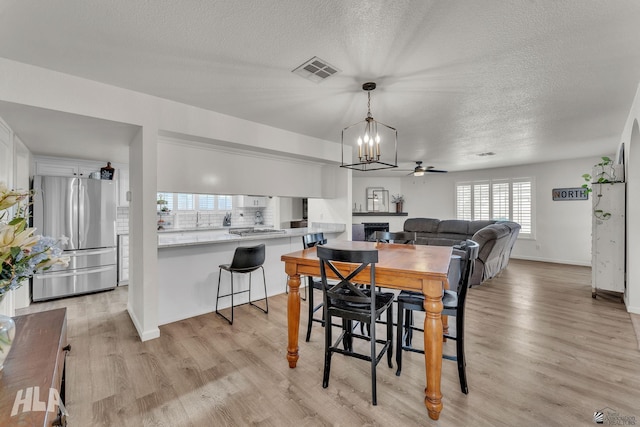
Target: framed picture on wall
[
  {"x": 377, "y": 199},
  {"x": 381, "y": 201}
]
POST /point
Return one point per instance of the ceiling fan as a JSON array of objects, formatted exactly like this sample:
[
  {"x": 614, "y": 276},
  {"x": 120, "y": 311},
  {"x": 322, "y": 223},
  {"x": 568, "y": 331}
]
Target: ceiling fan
[{"x": 419, "y": 170}]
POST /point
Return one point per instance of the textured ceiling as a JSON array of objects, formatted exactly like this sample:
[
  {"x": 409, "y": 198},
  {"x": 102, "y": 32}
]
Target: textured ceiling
[{"x": 531, "y": 81}]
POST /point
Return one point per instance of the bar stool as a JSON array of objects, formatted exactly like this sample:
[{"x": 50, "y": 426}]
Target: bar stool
[{"x": 245, "y": 261}]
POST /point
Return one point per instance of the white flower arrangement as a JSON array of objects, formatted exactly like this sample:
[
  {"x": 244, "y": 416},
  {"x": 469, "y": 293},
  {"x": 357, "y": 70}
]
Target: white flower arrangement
[{"x": 22, "y": 253}]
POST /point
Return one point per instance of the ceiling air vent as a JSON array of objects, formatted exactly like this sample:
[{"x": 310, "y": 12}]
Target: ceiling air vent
[{"x": 316, "y": 70}]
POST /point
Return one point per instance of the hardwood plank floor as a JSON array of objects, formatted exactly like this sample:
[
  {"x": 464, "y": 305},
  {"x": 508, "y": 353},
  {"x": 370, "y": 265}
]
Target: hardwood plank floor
[{"x": 540, "y": 351}]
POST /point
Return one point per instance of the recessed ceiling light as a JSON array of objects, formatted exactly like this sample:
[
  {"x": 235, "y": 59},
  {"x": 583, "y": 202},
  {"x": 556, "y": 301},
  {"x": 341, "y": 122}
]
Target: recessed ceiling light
[
  {"x": 487, "y": 153},
  {"x": 316, "y": 70}
]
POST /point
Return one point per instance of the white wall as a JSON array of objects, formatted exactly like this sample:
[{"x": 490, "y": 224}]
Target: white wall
[
  {"x": 335, "y": 206},
  {"x": 631, "y": 138},
  {"x": 562, "y": 229}
]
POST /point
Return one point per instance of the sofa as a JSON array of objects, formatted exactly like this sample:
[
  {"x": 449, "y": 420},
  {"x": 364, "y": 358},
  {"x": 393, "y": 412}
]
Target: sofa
[{"x": 496, "y": 240}]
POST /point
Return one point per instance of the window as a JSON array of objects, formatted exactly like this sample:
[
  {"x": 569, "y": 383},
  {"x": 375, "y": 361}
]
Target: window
[
  {"x": 192, "y": 202},
  {"x": 165, "y": 201},
  {"x": 498, "y": 200},
  {"x": 224, "y": 203},
  {"x": 185, "y": 202},
  {"x": 206, "y": 202}
]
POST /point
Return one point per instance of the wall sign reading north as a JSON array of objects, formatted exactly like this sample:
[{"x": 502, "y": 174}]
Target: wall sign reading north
[{"x": 577, "y": 193}]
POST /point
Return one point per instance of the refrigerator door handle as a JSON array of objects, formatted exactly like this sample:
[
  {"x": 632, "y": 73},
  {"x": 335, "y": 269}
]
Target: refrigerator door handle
[
  {"x": 72, "y": 272},
  {"x": 82, "y": 221},
  {"x": 72, "y": 219},
  {"x": 84, "y": 252}
]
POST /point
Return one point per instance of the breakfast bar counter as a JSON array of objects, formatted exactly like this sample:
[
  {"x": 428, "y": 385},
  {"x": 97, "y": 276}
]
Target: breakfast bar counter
[
  {"x": 187, "y": 237},
  {"x": 188, "y": 263}
]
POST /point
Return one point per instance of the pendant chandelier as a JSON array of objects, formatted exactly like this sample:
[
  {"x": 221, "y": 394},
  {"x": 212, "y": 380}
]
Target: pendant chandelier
[{"x": 373, "y": 140}]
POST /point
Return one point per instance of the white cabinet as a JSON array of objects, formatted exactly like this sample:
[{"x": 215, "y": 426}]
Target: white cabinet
[
  {"x": 64, "y": 167},
  {"x": 123, "y": 259},
  {"x": 6, "y": 155},
  {"x": 252, "y": 202},
  {"x": 53, "y": 166},
  {"x": 608, "y": 238},
  {"x": 122, "y": 176}
]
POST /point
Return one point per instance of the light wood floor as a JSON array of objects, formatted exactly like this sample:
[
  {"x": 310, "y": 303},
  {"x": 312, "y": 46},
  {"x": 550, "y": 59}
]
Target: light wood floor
[{"x": 540, "y": 351}]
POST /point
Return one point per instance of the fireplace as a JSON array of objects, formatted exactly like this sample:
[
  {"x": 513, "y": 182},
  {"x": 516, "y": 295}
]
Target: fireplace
[{"x": 370, "y": 229}]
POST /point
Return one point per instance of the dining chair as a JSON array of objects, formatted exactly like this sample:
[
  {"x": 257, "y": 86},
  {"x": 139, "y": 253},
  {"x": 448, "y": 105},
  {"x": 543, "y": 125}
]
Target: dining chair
[
  {"x": 453, "y": 302},
  {"x": 404, "y": 237},
  {"x": 309, "y": 241},
  {"x": 350, "y": 302},
  {"x": 245, "y": 261}
]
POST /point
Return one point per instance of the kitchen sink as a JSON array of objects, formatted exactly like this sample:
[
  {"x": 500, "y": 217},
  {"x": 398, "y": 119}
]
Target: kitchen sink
[{"x": 255, "y": 231}]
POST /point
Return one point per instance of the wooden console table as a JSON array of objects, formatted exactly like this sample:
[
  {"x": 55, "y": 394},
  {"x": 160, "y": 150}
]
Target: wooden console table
[{"x": 36, "y": 359}]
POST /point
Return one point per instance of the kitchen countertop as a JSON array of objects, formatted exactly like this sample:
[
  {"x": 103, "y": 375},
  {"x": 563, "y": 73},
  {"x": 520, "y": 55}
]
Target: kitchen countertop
[
  {"x": 217, "y": 227},
  {"x": 202, "y": 236}
]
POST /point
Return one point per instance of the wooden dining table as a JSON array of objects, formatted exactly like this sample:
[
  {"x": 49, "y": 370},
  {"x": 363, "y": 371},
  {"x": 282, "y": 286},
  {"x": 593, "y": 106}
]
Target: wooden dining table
[{"x": 417, "y": 268}]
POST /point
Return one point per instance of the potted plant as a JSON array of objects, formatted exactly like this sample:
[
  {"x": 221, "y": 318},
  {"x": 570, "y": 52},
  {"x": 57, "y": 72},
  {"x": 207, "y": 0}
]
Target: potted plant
[
  {"x": 604, "y": 172},
  {"x": 398, "y": 199}
]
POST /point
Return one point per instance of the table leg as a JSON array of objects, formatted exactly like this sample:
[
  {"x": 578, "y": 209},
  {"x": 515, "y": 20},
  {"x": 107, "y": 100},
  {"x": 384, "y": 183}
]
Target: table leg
[
  {"x": 433, "y": 347},
  {"x": 293, "y": 319}
]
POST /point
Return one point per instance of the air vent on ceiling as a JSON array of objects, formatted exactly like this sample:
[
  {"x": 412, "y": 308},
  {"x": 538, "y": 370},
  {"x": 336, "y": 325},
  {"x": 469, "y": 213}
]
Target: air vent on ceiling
[{"x": 316, "y": 70}]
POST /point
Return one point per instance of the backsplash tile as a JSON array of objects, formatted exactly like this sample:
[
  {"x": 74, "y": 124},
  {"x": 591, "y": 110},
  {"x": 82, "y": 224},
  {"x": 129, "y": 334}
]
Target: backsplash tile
[{"x": 240, "y": 217}]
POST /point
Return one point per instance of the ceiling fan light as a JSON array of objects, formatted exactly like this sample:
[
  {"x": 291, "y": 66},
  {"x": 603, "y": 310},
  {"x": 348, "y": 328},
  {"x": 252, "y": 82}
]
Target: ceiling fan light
[{"x": 419, "y": 173}]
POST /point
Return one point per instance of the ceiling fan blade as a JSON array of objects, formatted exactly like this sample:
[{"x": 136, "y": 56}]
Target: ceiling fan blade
[{"x": 436, "y": 170}]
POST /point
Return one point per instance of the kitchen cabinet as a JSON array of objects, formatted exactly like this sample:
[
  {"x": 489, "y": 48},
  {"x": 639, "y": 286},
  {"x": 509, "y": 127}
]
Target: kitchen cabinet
[
  {"x": 66, "y": 167},
  {"x": 123, "y": 259},
  {"x": 123, "y": 186},
  {"x": 252, "y": 202},
  {"x": 6, "y": 155}
]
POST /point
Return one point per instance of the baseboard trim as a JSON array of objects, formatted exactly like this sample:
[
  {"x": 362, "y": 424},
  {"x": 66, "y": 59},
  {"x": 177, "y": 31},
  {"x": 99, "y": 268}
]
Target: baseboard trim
[
  {"x": 635, "y": 322},
  {"x": 144, "y": 335},
  {"x": 554, "y": 261}
]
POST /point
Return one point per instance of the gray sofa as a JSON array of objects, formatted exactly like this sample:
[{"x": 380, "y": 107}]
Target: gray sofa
[{"x": 496, "y": 240}]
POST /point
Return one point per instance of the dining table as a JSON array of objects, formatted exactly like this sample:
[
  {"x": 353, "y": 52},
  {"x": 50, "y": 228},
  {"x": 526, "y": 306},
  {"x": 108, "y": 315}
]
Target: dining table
[{"x": 419, "y": 268}]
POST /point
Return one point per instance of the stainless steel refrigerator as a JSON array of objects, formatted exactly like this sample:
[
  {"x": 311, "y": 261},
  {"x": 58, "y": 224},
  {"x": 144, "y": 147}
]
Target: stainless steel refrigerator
[{"x": 84, "y": 211}]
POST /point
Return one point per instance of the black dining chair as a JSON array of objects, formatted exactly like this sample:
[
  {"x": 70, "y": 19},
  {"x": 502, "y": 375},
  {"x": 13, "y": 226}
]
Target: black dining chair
[
  {"x": 309, "y": 241},
  {"x": 453, "y": 302},
  {"x": 350, "y": 302},
  {"x": 404, "y": 237},
  {"x": 245, "y": 261}
]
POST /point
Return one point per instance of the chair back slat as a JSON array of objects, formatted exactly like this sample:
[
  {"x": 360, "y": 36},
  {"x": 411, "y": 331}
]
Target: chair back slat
[
  {"x": 313, "y": 239},
  {"x": 345, "y": 290},
  {"x": 468, "y": 258},
  {"x": 404, "y": 237},
  {"x": 248, "y": 258}
]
